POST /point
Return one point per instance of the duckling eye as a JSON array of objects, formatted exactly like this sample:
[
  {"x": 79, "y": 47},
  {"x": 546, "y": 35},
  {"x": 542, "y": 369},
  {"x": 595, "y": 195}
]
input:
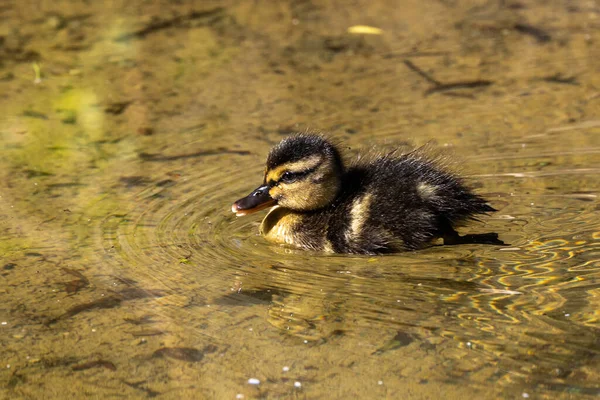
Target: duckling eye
[{"x": 289, "y": 177}]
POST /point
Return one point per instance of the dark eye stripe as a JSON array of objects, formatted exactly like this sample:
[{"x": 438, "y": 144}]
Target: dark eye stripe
[{"x": 289, "y": 176}]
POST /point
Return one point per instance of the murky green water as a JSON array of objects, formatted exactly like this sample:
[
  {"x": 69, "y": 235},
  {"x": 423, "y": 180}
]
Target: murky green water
[{"x": 129, "y": 128}]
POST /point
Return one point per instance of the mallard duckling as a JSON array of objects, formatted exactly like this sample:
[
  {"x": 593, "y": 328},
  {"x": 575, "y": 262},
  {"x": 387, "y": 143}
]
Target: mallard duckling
[{"x": 390, "y": 203}]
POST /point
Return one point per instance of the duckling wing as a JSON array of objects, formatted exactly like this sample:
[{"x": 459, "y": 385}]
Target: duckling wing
[{"x": 403, "y": 203}]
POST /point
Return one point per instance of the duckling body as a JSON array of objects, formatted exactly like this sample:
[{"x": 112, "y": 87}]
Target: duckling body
[{"x": 389, "y": 203}]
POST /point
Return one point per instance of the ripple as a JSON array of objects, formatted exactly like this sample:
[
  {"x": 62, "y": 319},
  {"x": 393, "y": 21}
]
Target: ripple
[{"x": 180, "y": 235}]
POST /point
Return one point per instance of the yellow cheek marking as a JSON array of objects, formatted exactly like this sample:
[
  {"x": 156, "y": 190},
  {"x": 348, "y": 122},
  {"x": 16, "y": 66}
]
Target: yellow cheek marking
[
  {"x": 302, "y": 165},
  {"x": 274, "y": 192},
  {"x": 426, "y": 190},
  {"x": 358, "y": 216}
]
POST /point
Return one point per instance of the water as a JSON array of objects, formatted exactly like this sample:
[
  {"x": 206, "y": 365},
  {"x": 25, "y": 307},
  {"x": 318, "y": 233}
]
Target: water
[{"x": 127, "y": 132}]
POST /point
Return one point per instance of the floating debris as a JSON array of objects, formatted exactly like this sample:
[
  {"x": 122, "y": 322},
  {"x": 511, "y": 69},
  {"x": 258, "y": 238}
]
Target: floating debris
[
  {"x": 400, "y": 340},
  {"x": 444, "y": 87},
  {"x": 111, "y": 301},
  {"x": 206, "y": 16},
  {"x": 75, "y": 285},
  {"x": 582, "y": 125},
  {"x": 559, "y": 78},
  {"x": 189, "y": 354},
  {"x": 94, "y": 364},
  {"x": 116, "y": 108},
  {"x": 37, "y": 69},
  {"x": 148, "y": 332},
  {"x": 103, "y": 303},
  {"x": 34, "y": 114},
  {"x": 364, "y": 30},
  {"x": 142, "y": 386},
  {"x": 218, "y": 151},
  {"x": 537, "y": 33}
]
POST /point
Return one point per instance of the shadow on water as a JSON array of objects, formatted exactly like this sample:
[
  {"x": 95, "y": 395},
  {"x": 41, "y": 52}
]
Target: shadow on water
[{"x": 128, "y": 131}]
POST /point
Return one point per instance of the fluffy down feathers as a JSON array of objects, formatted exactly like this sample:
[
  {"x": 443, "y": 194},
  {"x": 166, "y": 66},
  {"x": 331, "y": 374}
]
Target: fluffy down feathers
[{"x": 383, "y": 204}]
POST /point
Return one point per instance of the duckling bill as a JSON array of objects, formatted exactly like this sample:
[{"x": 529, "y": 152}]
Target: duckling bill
[{"x": 386, "y": 204}]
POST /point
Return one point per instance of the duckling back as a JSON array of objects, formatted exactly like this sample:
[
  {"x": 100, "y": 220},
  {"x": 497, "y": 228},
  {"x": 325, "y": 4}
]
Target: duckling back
[{"x": 399, "y": 203}]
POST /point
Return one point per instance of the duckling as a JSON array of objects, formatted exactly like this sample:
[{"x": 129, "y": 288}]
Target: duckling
[{"x": 385, "y": 204}]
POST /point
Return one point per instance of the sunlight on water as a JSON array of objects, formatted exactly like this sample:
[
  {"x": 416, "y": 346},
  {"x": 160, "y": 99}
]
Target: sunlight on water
[{"x": 125, "y": 272}]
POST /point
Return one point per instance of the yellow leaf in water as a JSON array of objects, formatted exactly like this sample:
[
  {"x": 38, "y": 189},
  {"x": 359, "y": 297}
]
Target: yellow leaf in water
[{"x": 364, "y": 30}]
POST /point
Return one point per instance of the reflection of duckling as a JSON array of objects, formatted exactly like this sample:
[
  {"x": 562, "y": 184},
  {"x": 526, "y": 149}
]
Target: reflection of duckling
[{"x": 386, "y": 204}]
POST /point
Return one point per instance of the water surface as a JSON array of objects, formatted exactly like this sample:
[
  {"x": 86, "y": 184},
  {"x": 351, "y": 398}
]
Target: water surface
[{"x": 129, "y": 128}]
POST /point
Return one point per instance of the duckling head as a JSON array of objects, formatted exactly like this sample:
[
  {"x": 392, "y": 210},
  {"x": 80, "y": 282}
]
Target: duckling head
[{"x": 303, "y": 173}]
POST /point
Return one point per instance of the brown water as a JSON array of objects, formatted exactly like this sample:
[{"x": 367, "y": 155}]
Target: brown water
[{"x": 129, "y": 128}]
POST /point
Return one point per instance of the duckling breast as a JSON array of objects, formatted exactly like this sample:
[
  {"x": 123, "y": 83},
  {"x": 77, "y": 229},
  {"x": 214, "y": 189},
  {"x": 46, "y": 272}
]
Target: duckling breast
[
  {"x": 302, "y": 230},
  {"x": 279, "y": 226}
]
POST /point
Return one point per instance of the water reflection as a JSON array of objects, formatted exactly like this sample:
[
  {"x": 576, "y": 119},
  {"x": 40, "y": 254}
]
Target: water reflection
[
  {"x": 127, "y": 132},
  {"x": 505, "y": 310}
]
